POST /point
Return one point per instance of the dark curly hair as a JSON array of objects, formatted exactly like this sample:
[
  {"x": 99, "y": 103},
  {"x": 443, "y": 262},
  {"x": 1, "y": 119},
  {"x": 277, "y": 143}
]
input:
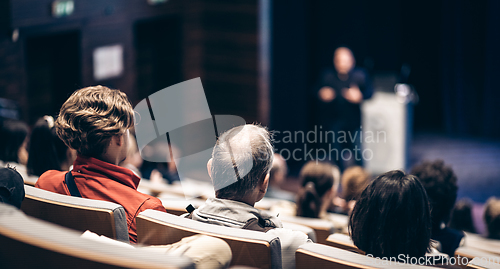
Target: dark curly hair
[
  {"x": 440, "y": 182},
  {"x": 91, "y": 116},
  {"x": 392, "y": 217}
]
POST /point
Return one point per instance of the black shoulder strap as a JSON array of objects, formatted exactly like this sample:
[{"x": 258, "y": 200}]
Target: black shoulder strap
[
  {"x": 70, "y": 182},
  {"x": 190, "y": 208}
]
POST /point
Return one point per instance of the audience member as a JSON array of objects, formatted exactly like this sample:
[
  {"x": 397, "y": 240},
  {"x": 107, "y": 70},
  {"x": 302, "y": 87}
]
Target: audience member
[
  {"x": 277, "y": 176},
  {"x": 13, "y": 145},
  {"x": 320, "y": 182},
  {"x": 11, "y": 187},
  {"x": 234, "y": 203},
  {"x": 392, "y": 217},
  {"x": 46, "y": 150},
  {"x": 440, "y": 183},
  {"x": 354, "y": 180},
  {"x": 492, "y": 218},
  {"x": 95, "y": 121},
  {"x": 461, "y": 216}
]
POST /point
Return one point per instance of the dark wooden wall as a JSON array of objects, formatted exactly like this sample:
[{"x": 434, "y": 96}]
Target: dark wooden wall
[{"x": 216, "y": 40}]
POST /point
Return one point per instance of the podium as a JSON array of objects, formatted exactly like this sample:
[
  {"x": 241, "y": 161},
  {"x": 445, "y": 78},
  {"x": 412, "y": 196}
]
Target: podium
[{"x": 387, "y": 128}]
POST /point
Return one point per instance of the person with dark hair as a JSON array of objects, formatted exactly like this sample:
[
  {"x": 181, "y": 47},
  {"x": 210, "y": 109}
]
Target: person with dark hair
[
  {"x": 492, "y": 217},
  {"x": 239, "y": 169},
  {"x": 46, "y": 150},
  {"x": 277, "y": 176},
  {"x": 13, "y": 145},
  {"x": 392, "y": 217},
  {"x": 461, "y": 216},
  {"x": 11, "y": 187},
  {"x": 320, "y": 181},
  {"x": 440, "y": 183}
]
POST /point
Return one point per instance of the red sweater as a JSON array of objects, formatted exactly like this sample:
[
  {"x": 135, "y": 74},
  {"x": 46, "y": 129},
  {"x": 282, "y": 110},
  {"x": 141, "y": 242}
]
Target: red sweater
[{"x": 100, "y": 180}]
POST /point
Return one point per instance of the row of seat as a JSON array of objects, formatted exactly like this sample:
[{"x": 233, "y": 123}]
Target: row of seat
[
  {"x": 27, "y": 242},
  {"x": 249, "y": 248}
]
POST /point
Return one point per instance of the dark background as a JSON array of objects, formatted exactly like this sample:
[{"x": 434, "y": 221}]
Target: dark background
[{"x": 452, "y": 48}]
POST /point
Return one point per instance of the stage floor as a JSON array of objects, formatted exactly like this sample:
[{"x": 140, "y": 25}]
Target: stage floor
[{"x": 476, "y": 162}]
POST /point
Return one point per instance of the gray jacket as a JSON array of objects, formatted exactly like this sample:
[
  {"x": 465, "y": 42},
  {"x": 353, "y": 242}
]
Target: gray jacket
[{"x": 235, "y": 214}]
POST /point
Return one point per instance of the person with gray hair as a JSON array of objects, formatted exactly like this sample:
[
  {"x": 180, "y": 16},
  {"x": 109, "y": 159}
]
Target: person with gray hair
[
  {"x": 240, "y": 165},
  {"x": 241, "y": 161}
]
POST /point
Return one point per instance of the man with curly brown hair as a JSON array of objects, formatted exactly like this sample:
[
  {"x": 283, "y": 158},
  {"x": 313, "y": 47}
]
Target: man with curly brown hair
[
  {"x": 440, "y": 183},
  {"x": 95, "y": 121}
]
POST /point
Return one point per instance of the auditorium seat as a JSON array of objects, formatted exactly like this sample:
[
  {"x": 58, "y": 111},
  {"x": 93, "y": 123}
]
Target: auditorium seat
[
  {"x": 266, "y": 203},
  {"x": 470, "y": 253},
  {"x": 342, "y": 241},
  {"x": 178, "y": 206},
  {"x": 101, "y": 217},
  {"x": 340, "y": 222},
  {"x": 249, "y": 248},
  {"x": 481, "y": 243},
  {"x": 30, "y": 180},
  {"x": 322, "y": 228},
  {"x": 189, "y": 188},
  {"x": 301, "y": 228},
  {"x": 478, "y": 263},
  {"x": 155, "y": 188},
  {"x": 27, "y": 242},
  {"x": 321, "y": 256}
]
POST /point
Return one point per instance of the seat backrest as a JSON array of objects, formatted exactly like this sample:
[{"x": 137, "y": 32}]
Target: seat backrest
[
  {"x": 322, "y": 228},
  {"x": 266, "y": 203},
  {"x": 27, "y": 242},
  {"x": 178, "y": 206},
  {"x": 481, "y": 243},
  {"x": 466, "y": 254},
  {"x": 301, "y": 228},
  {"x": 314, "y": 255},
  {"x": 342, "y": 241},
  {"x": 484, "y": 263},
  {"x": 101, "y": 217},
  {"x": 249, "y": 248}
]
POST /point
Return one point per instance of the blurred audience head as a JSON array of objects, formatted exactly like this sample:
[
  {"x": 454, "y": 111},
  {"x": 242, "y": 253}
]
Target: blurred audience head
[
  {"x": 46, "y": 150},
  {"x": 248, "y": 150},
  {"x": 320, "y": 181},
  {"x": 13, "y": 141},
  {"x": 461, "y": 216},
  {"x": 279, "y": 170},
  {"x": 354, "y": 181},
  {"x": 11, "y": 187},
  {"x": 343, "y": 60},
  {"x": 392, "y": 217},
  {"x": 440, "y": 182},
  {"x": 91, "y": 117},
  {"x": 492, "y": 217}
]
